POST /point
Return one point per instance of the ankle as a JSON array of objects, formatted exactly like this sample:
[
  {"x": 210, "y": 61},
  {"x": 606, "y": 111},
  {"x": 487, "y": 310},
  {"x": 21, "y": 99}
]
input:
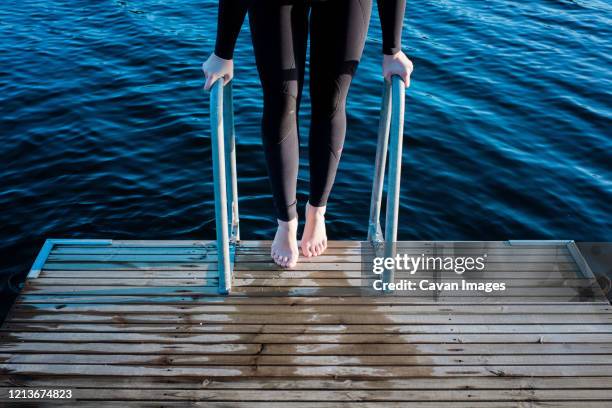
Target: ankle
[
  {"x": 291, "y": 225},
  {"x": 315, "y": 211}
]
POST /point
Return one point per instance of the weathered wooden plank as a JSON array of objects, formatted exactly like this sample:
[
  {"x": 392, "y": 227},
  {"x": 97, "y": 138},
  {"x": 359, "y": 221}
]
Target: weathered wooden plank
[
  {"x": 347, "y": 349},
  {"x": 274, "y": 309},
  {"x": 179, "y": 347},
  {"x": 151, "y": 257},
  {"x": 421, "y": 244},
  {"x": 246, "y": 250},
  {"x": 362, "y": 404},
  {"x": 564, "y": 294},
  {"x": 92, "y": 315},
  {"x": 118, "y": 243},
  {"x": 254, "y": 258},
  {"x": 320, "y": 404},
  {"x": 491, "y": 259},
  {"x": 512, "y": 287},
  {"x": 127, "y": 250},
  {"x": 144, "y": 282},
  {"x": 157, "y": 274},
  {"x": 159, "y": 242},
  {"x": 361, "y": 372},
  {"x": 438, "y": 251},
  {"x": 32, "y": 288},
  {"x": 226, "y": 360},
  {"x": 150, "y": 266},
  {"x": 301, "y": 266},
  {"x": 198, "y": 299},
  {"x": 279, "y": 282},
  {"x": 311, "y": 328},
  {"x": 213, "y": 338},
  {"x": 171, "y": 298},
  {"x": 264, "y": 384},
  {"x": 314, "y": 396},
  {"x": 527, "y": 276},
  {"x": 353, "y": 266}
]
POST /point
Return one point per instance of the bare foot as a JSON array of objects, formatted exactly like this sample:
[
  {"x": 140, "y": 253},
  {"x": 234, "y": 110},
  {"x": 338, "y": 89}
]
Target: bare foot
[
  {"x": 284, "y": 248},
  {"x": 314, "y": 238}
]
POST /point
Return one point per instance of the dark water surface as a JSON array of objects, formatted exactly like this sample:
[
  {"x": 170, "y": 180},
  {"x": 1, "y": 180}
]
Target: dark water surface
[{"x": 104, "y": 127}]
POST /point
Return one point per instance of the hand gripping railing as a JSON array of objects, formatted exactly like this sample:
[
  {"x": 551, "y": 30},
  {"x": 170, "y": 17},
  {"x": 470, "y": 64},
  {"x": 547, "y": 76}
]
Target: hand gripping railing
[
  {"x": 391, "y": 129},
  {"x": 390, "y": 136},
  {"x": 226, "y": 188}
]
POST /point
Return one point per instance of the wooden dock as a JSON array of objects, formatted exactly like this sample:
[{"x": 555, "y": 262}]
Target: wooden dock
[{"x": 132, "y": 323}]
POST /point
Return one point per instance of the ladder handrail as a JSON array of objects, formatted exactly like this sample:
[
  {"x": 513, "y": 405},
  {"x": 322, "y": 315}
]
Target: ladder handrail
[
  {"x": 230, "y": 149},
  {"x": 390, "y": 141},
  {"x": 374, "y": 229},
  {"x": 223, "y": 140},
  {"x": 224, "y": 155}
]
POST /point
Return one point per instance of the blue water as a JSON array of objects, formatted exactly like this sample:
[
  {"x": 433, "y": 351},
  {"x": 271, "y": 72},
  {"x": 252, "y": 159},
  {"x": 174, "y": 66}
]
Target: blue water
[{"x": 104, "y": 127}]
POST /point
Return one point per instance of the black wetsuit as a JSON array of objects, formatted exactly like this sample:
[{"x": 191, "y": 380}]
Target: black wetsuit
[{"x": 279, "y": 30}]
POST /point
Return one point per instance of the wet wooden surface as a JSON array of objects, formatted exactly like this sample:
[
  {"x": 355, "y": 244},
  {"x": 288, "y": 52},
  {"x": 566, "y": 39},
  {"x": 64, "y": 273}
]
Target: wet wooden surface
[{"x": 138, "y": 322}]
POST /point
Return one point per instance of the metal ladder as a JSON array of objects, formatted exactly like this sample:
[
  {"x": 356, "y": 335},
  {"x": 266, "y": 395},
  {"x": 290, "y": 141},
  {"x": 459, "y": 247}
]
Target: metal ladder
[{"x": 390, "y": 135}]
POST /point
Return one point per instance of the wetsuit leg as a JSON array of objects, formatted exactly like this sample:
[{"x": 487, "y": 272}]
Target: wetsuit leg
[
  {"x": 338, "y": 31},
  {"x": 279, "y": 33}
]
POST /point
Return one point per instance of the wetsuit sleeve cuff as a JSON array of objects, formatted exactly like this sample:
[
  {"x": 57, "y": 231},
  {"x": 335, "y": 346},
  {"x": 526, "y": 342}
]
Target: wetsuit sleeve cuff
[
  {"x": 391, "y": 50},
  {"x": 224, "y": 53}
]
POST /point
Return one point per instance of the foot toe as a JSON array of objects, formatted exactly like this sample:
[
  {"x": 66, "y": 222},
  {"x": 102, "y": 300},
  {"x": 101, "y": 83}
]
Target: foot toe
[
  {"x": 278, "y": 259},
  {"x": 292, "y": 262}
]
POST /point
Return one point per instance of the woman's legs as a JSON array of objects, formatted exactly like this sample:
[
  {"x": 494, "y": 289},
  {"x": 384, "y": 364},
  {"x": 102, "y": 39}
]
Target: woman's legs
[
  {"x": 338, "y": 31},
  {"x": 279, "y": 33}
]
